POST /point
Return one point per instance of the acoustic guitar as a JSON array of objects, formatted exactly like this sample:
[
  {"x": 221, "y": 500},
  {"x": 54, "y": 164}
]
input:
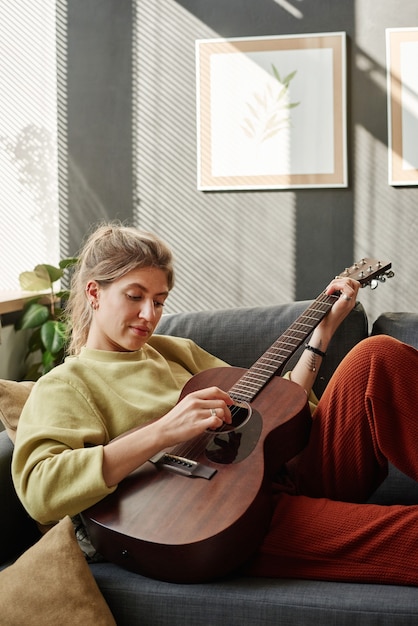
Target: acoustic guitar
[{"x": 199, "y": 510}]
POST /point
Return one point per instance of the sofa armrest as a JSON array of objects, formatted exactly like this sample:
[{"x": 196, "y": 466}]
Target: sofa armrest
[
  {"x": 17, "y": 530},
  {"x": 402, "y": 326}
]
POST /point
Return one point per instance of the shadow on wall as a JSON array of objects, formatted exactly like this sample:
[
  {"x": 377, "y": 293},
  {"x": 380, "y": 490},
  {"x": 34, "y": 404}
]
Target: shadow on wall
[{"x": 233, "y": 248}]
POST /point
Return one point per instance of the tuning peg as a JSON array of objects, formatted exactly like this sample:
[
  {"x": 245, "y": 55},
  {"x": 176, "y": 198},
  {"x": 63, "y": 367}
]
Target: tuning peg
[{"x": 388, "y": 274}]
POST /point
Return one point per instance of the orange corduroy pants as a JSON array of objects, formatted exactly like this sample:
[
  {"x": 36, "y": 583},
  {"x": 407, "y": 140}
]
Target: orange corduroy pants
[{"x": 367, "y": 416}]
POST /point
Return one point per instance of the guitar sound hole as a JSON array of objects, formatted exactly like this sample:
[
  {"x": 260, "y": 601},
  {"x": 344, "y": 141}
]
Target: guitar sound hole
[{"x": 236, "y": 445}]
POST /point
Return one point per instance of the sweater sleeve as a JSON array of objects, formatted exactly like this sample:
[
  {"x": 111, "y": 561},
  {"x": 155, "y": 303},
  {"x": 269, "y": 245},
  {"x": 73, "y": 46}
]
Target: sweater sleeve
[
  {"x": 186, "y": 353},
  {"x": 58, "y": 456}
]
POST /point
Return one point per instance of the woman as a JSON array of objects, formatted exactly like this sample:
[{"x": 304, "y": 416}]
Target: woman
[{"x": 78, "y": 435}]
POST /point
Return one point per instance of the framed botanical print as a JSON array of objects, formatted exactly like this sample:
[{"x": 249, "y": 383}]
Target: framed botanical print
[
  {"x": 402, "y": 82},
  {"x": 271, "y": 112}
]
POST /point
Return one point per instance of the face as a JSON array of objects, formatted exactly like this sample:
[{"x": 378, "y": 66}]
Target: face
[{"x": 126, "y": 312}]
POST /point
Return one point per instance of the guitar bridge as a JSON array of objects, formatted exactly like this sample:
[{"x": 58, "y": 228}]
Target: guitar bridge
[{"x": 182, "y": 466}]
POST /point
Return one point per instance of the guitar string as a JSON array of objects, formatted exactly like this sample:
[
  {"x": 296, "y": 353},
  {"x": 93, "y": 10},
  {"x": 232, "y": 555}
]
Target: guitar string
[
  {"x": 268, "y": 361},
  {"x": 194, "y": 447},
  {"x": 260, "y": 373},
  {"x": 274, "y": 357}
]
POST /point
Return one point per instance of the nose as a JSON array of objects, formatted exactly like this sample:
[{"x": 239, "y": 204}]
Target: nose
[{"x": 147, "y": 310}]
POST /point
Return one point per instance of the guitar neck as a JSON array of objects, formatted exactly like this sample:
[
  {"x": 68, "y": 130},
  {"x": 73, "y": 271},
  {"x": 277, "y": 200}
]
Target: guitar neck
[
  {"x": 366, "y": 271},
  {"x": 274, "y": 359}
]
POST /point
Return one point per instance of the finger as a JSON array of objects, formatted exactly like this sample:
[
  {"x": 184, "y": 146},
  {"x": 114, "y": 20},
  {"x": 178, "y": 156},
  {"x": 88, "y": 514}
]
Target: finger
[
  {"x": 214, "y": 421},
  {"x": 346, "y": 286},
  {"x": 347, "y": 293},
  {"x": 215, "y": 397},
  {"x": 216, "y": 394},
  {"x": 350, "y": 289},
  {"x": 219, "y": 410}
]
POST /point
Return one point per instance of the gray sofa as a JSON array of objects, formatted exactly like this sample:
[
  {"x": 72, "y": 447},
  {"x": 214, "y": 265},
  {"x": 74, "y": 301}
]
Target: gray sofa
[{"x": 239, "y": 337}]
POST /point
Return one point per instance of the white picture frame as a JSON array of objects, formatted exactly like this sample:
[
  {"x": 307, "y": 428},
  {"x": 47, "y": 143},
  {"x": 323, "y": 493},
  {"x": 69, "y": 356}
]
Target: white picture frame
[
  {"x": 271, "y": 112},
  {"x": 402, "y": 102}
]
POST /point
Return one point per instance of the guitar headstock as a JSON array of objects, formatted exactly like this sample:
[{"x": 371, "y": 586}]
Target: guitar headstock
[{"x": 368, "y": 272}]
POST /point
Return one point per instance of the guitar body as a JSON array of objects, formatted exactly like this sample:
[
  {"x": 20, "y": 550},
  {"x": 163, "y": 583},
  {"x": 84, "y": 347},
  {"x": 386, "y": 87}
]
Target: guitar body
[{"x": 180, "y": 528}]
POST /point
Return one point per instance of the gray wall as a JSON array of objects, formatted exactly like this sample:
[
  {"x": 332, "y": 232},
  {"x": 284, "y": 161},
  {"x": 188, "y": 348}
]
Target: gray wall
[
  {"x": 96, "y": 92},
  {"x": 132, "y": 152}
]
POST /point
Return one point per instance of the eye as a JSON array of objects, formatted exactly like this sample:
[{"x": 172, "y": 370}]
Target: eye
[
  {"x": 158, "y": 304},
  {"x": 134, "y": 297}
]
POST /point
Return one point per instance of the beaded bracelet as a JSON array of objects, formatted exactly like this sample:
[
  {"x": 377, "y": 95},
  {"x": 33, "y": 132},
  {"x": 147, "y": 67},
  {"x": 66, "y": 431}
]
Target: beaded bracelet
[{"x": 315, "y": 350}]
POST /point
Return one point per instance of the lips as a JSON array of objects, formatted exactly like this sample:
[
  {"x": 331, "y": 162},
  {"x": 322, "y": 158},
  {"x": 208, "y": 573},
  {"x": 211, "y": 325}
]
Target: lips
[{"x": 140, "y": 331}]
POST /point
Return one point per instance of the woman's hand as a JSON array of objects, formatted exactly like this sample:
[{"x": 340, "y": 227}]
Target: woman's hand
[
  {"x": 201, "y": 410},
  {"x": 306, "y": 369},
  {"x": 348, "y": 289}
]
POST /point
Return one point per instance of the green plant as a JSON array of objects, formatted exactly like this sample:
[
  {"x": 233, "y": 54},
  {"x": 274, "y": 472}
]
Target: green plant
[{"x": 44, "y": 315}]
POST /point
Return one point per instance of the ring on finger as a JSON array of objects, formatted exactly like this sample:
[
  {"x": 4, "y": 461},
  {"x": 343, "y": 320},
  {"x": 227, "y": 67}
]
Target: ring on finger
[
  {"x": 213, "y": 412},
  {"x": 346, "y": 297}
]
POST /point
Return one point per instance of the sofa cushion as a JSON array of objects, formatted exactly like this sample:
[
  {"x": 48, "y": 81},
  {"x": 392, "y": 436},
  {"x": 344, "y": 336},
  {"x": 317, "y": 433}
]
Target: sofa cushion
[
  {"x": 51, "y": 584},
  {"x": 240, "y": 336},
  {"x": 241, "y": 601},
  {"x": 399, "y": 489},
  {"x": 13, "y": 396},
  {"x": 402, "y": 326}
]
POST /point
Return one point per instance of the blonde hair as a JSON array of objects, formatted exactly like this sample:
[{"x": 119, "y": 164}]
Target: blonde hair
[{"x": 109, "y": 253}]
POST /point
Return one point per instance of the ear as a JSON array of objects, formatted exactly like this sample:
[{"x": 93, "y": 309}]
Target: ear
[{"x": 92, "y": 292}]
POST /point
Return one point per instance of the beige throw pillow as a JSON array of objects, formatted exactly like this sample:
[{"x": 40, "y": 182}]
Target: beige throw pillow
[
  {"x": 13, "y": 396},
  {"x": 52, "y": 584}
]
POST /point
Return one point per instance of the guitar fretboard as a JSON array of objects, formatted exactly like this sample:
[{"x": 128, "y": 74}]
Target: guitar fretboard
[{"x": 274, "y": 359}]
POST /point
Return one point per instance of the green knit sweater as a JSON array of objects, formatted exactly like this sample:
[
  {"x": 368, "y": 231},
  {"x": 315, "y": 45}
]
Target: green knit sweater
[{"x": 78, "y": 407}]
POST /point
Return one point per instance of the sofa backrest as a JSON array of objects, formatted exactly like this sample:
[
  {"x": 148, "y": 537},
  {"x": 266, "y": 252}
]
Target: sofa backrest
[{"x": 240, "y": 336}]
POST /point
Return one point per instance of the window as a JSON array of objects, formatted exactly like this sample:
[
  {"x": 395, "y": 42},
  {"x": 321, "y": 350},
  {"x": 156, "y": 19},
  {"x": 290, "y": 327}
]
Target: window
[{"x": 28, "y": 138}]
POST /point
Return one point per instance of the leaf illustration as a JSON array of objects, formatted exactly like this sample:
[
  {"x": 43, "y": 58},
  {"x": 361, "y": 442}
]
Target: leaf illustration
[
  {"x": 272, "y": 133},
  {"x": 253, "y": 110},
  {"x": 276, "y": 73},
  {"x": 249, "y": 123},
  {"x": 282, "y": 93},
  {"x": 289, "y": 77},
  {"x": 284, "y": 123},
  {"x": 259, "y": 99},
  {"x": 267, "y": 114}
]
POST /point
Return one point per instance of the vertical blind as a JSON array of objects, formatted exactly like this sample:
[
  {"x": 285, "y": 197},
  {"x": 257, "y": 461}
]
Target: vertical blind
[{"x": 29, "y": 232}]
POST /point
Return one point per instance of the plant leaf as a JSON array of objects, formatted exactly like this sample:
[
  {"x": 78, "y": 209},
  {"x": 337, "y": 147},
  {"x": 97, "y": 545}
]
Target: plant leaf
[
  {"x": 48, "y": 361},
  {"x": 64, "y": 294},
  {"x": 35, "y": 343},
  {"x": 54, "y": 273},
  {"x": 33, "y": 316},
  {"x": 53, "y": 335},
  {"x": 37, "y": 280},
  {"x": 64, "y": 263},
  {"x": 34, "y": 372}
]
